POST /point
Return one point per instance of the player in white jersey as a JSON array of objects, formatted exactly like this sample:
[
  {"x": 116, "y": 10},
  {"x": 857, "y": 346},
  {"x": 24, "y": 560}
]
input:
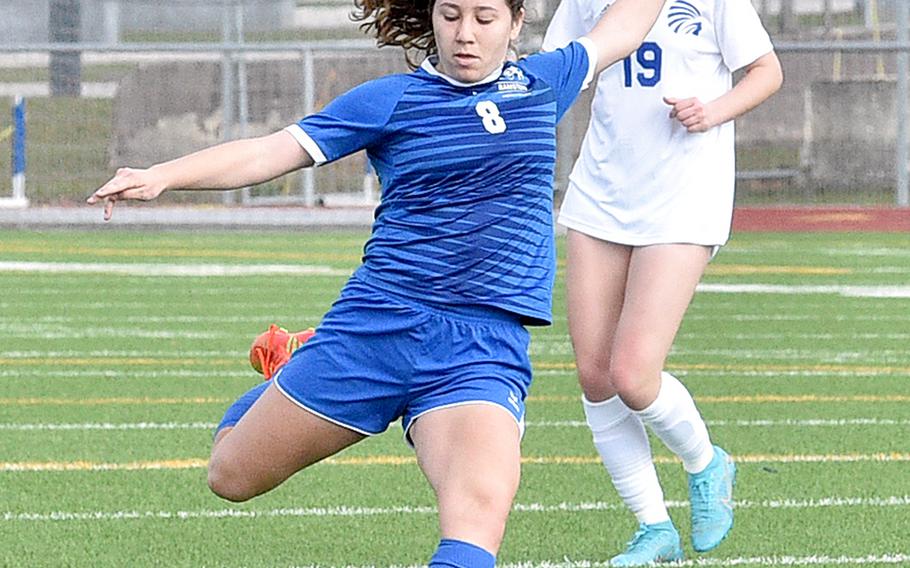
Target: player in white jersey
[
  {"x": 430, "y": 328},
  {"x": 649, "y": 200}
]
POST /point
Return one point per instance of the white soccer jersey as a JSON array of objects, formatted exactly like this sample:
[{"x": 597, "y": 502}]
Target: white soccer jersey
[{"x": 641, "y": 178}]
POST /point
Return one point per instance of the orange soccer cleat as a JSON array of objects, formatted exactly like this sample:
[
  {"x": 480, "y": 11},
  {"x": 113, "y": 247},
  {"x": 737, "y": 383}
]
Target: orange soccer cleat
[{"x": 272, "y": 349}]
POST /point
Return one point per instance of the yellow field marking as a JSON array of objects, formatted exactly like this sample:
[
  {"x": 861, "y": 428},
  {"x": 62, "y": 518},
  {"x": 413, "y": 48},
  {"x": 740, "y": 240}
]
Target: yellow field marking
[
  {"x": 836, "y": 217},
  {"x": 741, "y": 269},
  {"x": 180, "y": 253},
  {"x": 181, "y": 464},
  {"x": 570, "y": 366},
  {"x": 94, "y": 466},
  {"x": 109, "y": 401},
  {"x": 5, "y": 133},
  {"x": 740, "y": 399},
  {"x": 745, "y": 269}
]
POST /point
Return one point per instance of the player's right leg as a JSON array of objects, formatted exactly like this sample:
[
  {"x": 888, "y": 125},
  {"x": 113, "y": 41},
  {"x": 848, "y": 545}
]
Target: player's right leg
[
  {"x": 661, "y": 282},
  {"x": 471, "y": 456},
  {"x": 595, "y": 284}
]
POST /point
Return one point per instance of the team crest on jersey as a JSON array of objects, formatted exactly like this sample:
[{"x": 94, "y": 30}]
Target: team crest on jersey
[
  {"x": 684, "y": 18},
  {"x": 512, "y": 79}
]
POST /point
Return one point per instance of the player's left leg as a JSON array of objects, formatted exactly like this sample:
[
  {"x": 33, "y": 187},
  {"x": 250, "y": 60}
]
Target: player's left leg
[
  {"x": 471, "y": 456},
  {"x": 662, "y": 281},
  {"x": 274, "y": 439},
  {"x": 236, "y": 410},
  {"x": 274, "y": 347},
  {"x": 269, "y": 352}
]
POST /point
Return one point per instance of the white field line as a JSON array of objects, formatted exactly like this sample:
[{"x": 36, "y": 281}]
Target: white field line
[
  {"x": 357, "y": 511},
  {"x": 150, "y": 319},
  {"x": 790, "y": 423},
  {"x": 809, "y": 317},
  {"x": 740, "y": 354},
  {"x": 564, "y": 373},
  {"x": 879, "y": 252},
  {"x": 570, "y": 373},
  {"x": 889, "y": 270},
  {"x": 871, "y": 559},
  {"x": 873, "y": 354},
  {"x": 538, "y": 347},
  {"x": 157, "y": 270},
  {"x": 278, "y": 306},
  {"x": 879, "y": 356},
  {"x": 126, "y": 324},
  {"x": 840, "y": 290},
  {"x": 105, "y": 353},
  {"x": 107, "y": 426},
  {"x": 824, "y": 560},
  {"x": 44, "y": 331},
  {"x": 782, "y": 334}
]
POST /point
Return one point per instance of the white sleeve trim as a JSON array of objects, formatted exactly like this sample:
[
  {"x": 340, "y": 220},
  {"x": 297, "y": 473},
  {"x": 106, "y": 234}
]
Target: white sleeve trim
[
  {"x": 307, "y": 143},
  {"x": 591, "y": 48}
]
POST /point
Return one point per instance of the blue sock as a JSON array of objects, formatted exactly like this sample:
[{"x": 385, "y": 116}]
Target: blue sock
[
  {"x": 459, "y": 554},
  {"x": 238, "y": 409}
]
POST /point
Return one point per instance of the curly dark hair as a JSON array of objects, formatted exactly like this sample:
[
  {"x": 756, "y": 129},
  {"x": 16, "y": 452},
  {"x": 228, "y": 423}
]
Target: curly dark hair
[{"x": 405, "y": 23}]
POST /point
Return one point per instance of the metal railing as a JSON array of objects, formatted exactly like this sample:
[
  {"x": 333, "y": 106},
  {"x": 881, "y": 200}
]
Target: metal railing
[{"x": 235, "y": 56}]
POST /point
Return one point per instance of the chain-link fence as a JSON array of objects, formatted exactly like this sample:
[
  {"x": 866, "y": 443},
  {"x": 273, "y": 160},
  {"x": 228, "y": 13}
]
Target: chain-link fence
[{"x": 132, "y": 82}]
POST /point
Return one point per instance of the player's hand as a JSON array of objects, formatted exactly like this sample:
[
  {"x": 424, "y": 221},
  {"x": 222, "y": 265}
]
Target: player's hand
[
  {"x": 126, "y": 184},
  {"x": 691, "y": 113}
]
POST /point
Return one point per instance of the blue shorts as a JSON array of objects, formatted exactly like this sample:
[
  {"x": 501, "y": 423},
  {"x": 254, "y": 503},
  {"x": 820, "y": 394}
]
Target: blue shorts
[{"x": 377, "y": 357}]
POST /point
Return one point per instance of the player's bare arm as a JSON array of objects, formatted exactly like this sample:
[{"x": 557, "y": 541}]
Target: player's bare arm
[
  {"x": 762, "y": 79},
  {"x": 226, "y": 166},
  {"x": 622, "y": 29}
]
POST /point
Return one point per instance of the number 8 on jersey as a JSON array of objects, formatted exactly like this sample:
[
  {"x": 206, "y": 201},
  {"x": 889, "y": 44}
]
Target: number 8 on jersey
[{"x": 492, "y": 120}]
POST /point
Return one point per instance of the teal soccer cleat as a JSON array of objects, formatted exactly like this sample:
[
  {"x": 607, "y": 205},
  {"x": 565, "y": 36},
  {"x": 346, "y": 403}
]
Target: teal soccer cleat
[
  {"x": 652, "y": 543},
  {"x": 711, "y": 499}
]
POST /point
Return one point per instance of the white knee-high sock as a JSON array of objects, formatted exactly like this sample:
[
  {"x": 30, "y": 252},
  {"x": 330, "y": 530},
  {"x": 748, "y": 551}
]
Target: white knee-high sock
[
  {"x": 674, "y": 418},
  {"x": 623, "y": 445}
]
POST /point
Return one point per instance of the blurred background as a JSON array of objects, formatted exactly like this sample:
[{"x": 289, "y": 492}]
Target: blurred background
[{"x": 90, "y": 85}]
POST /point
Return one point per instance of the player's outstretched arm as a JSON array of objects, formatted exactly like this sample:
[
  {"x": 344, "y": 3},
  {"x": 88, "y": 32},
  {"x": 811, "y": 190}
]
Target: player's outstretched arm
[
  {"x": 622, "y": 29},
  {"x": 226, "y": 166}
]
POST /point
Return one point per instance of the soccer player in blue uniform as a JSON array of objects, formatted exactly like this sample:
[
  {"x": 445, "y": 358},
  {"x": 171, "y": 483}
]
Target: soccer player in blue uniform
[{"x": 431, "y": 327}]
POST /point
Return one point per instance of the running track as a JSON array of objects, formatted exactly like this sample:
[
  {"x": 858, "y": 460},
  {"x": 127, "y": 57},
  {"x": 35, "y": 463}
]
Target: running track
[{"x": 822, "y": 219}]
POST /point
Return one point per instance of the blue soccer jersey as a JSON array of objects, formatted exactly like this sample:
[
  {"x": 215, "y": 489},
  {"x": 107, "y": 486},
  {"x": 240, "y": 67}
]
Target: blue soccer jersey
[{"x": 466, "y": 214}]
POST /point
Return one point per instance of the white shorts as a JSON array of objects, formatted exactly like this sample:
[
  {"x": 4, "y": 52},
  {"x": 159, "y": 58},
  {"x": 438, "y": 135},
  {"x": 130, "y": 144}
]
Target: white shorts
[{"x": 671, "y": 217}]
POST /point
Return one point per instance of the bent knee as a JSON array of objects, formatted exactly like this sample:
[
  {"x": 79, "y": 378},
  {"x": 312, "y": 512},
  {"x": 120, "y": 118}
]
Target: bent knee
[
  {"x": 228, "y": 483},
  {"x": 635, "y": 386},
  {"x": 594, "y": 377}
]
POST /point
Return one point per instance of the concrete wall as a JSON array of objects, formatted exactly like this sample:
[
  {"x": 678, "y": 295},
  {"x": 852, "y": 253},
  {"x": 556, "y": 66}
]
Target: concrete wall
[
  {"x": 851, "y": 134},
  {"x": 196, "y": 15},
  {"x": 26, "y": 21},
  {"x": 782, "y": 117},
  {"x": 165, "y": 110}
]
